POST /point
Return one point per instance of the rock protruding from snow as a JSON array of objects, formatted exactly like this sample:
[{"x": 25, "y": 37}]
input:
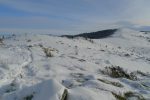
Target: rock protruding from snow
[{"x": 47, "y": 90}]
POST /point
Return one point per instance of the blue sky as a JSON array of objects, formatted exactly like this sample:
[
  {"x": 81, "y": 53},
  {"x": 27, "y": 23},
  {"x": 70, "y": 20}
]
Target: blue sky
[{"x": 71, "y": 16}]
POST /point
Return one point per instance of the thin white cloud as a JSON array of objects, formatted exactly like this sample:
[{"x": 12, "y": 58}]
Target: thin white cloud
[{"x": 137, "y": 9}]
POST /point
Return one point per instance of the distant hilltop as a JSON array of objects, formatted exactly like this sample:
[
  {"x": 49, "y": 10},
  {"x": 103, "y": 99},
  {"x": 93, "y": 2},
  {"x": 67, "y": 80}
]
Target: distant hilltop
[{"x": 94, "y": 35}]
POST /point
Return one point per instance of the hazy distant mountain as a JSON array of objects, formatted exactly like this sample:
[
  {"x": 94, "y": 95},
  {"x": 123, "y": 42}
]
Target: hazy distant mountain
[{"x": 144, "y": 28}]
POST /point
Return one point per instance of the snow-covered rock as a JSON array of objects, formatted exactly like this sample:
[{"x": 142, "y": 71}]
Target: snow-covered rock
[{"x": 46, "y": 90}]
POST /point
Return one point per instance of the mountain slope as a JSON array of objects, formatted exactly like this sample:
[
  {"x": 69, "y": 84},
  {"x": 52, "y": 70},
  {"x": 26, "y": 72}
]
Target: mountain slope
[{"x": 108, "y": 68}]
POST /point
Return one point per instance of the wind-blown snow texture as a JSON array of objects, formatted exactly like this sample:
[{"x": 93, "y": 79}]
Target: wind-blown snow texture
[{"x": 27, "y": 74}]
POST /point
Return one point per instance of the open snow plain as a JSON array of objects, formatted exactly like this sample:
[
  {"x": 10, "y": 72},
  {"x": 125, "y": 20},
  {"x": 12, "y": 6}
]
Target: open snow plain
[{"x": 41, "y": 67}]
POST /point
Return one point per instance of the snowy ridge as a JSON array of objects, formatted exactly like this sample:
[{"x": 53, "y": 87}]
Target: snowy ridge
[{"x": 40, "y": 67}]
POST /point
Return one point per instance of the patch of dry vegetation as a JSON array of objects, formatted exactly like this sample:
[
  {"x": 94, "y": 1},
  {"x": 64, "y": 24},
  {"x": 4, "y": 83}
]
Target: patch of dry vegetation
[
  {"x": 48, "y": 52},
  {"x": 118, "y": 72},
  {"x": 117, "y": 84},
  {"x": 128, "y": 96}
]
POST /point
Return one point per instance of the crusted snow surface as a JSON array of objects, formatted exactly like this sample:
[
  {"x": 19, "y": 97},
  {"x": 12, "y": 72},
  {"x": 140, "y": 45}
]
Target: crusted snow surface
[
  {"x": 26, "y": 73},
  {"x": 47, "y": 90}
]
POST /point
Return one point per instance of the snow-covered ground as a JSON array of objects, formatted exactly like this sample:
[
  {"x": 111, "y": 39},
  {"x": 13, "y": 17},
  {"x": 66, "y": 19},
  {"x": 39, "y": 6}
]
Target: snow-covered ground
[{"x": 26, "y": 73}]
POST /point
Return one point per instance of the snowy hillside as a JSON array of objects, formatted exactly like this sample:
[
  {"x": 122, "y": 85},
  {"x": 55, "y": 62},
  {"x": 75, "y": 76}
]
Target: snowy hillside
[{"x": 42, "y": 67}]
